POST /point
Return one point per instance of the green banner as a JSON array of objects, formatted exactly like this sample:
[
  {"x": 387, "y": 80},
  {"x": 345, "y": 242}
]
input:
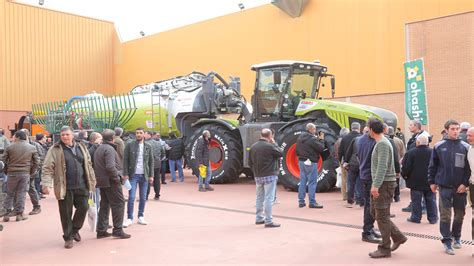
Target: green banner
[{"x": 416, "y": 106}]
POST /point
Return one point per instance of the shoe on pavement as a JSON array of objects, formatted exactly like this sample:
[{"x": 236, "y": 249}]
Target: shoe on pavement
[
  {"x": 448, "y": 248},
  {"x": 433, "y": 222},
  {"x": 457, "y": 243},
  {"x": 376, "y": 235},
  {"x": 121, "y": 235},
  {"x": 156, "y": 198},
  {"x": 397, "y": 244},
  {"x": 315, "y": 206},
  {"x": 21, "y": 217},
  {"x": 202, "y": 189},
  {"x": 6, "y": 218},
  {"x": 409, "y": 219},
  {"x": 407, "y": 209},
  {"x": 76, "y": 236},
  {"x": 380, "y": 254},
  {"x": 127, "y": 223},
  {"x": 392, "y": 215},
  {"x": 371, "y": 239},
  {"x": 350, "y": 205},
  {"x": 301, "y": 205},
  {"x": 260, "y": 222},
  {"x": 35, "y": 211},
  {"x": 142, "y": 221},
  {"x": 103, "y": 234},
  {"x": 68, "y": 244},
  {"x": 272, "y": 225},
  {"x": 209, "y": 188}
]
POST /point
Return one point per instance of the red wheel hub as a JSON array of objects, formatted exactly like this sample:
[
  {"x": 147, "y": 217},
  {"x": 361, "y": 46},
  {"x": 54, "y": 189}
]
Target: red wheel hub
[
  {"x": 292, "y": 162},
  {"x": 216, "y": 154}
]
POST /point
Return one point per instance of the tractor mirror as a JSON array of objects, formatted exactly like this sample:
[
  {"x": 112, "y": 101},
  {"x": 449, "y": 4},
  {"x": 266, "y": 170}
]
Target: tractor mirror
[
  {"x": 333, "y": 86},
  {"x": 277, "y": 77}
]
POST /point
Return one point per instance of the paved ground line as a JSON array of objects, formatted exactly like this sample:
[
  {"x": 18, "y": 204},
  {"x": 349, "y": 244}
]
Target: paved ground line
[{"x": 417, "y": 235}]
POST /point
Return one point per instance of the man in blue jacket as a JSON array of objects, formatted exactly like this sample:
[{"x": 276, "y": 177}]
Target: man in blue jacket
[{"x": 449, "y": 172}]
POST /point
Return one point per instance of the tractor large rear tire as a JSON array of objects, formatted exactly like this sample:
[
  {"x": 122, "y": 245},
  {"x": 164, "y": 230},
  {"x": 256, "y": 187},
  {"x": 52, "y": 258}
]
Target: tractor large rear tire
[
  {"x": 289, "y": 171},
  {"x": 225, "y": 153}
]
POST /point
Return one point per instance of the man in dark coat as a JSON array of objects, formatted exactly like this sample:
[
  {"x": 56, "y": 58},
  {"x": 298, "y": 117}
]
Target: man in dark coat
[
  {"x": 415, "y": 172},
  {"x": 202, "y": 157},
  {"x": 309, "y": 149},
  {"x": 107, "y": 172},
  {"x": 176, "y": 153}
]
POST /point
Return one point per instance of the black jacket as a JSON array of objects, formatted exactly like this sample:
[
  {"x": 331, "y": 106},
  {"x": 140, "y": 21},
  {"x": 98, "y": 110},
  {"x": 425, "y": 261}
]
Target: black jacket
[
  {"x": 130, "y": 159},
  {"x": 351, "y": 158},
  {"x": 202, "y": 151},
  {"x": 411, "y": 144},
  {"x": 308, "y": 146},
  {"x": 106, "y": 165},
  {"x": 415, "y": 167},
  {"x": 449, "y": 166},
  {"x": 264, "y": 158},
  {"x": 177, "y": 149},
  {"x": 345, "y": 144}
]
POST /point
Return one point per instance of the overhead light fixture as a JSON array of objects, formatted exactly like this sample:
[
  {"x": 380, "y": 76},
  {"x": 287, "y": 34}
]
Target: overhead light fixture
[
  {"x": 241, "y": 6},
  {"x": 142, "y": 33},
  {"x": 41, "y": 2}
]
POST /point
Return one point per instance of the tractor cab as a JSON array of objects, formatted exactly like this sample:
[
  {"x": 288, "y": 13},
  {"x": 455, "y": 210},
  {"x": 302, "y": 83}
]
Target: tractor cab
[{"x": 281, "y": 85}]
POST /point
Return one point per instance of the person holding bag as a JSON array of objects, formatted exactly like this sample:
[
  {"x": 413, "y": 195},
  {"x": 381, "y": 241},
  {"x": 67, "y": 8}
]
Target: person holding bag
[{"x": 68, "y": 167}]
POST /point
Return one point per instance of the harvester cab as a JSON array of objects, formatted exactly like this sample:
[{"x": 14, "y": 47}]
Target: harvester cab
[{"x": 281, "y": 85}]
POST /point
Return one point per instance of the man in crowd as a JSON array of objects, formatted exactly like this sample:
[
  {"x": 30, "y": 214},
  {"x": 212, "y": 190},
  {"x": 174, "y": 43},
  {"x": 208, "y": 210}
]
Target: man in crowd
[
  {"x": 120, "y": 144},
  {"x": 415, "y": 171},
  {"x": 365, "y": 145},
  {"x": 352, "y": 172},
  {"x": 41, "y": 140},
  {"x": 264, "y": 162},
  {"x": 449, "y": 172},
  {"x": 309, "y": 149},
  {"x": 464, "y": 128},
  {"x": 138, "y": 168},
  {"x": 415, "y": 128},
  {"x": 383, "y": 187},
  {"x": 83, "y": 137},
  {"x": 396, "y": 161},
  {"x": 163, "y": 159},
  {"x": 68, "y": 168},
  {"x": 202, "y": 157},
  {"x": 94, "y": 143},
  {"x": 400, "y": 145},
  {"x": 470, "y": 156},
  {"x": 157, "y": 154},
  {"x": 22, "y": 161},
  {"x": 108, "y": 171},
  {"x": 32, "y": 192},
  {"x": 337, "y": 150},
  {"x": 176, "y": 153}
]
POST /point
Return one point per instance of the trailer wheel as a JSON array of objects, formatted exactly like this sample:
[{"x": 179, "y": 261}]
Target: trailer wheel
[
  {"x": 225, "y": 153},
  {"x": 289, "y": 175}
]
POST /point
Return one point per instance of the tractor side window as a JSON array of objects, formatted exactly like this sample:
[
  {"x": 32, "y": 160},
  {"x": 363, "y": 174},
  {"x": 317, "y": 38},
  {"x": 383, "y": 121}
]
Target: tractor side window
[
  {"x": 302, "y": 84},
  {"x": 269, "y": 93}
]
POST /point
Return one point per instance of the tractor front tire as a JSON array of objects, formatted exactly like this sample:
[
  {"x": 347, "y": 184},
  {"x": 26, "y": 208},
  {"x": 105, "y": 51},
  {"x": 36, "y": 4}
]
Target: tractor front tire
[
  {"x": 289, "y": 175},
  {"x": 225, "y": 153}
]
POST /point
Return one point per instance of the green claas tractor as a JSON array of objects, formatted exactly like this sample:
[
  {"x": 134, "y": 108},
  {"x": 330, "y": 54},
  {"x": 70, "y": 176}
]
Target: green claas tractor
[{"x": 286, "y": 97}]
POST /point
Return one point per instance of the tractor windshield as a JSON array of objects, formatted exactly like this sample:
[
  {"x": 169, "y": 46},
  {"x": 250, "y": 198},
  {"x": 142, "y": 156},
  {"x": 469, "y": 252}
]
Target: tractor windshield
[
  {"x": 303, "y": 83},
  {"x": 270, "y": 88}
]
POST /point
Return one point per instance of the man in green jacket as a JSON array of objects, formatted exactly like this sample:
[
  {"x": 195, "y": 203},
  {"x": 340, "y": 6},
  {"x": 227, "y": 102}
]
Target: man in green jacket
[
  {"x": 383, "y": 188},
  {"x": 138, "y": 167}
]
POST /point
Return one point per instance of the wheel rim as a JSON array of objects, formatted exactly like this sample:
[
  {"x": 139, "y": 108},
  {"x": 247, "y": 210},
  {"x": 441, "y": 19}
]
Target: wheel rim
[
  {"x": 292, "y": 162},
  {"x": 215, "y": 154}
]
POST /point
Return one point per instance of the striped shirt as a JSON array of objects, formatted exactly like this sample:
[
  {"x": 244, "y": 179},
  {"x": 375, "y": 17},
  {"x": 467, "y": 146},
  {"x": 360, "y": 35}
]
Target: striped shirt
[{"x": 382, "y": 164}]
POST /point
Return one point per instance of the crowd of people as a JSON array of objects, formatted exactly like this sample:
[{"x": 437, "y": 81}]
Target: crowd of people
[{"x": 79, "y": 168}]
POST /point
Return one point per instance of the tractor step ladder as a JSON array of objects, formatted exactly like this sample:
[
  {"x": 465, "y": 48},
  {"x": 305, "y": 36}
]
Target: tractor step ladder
[{"x": 156, "y": 109}]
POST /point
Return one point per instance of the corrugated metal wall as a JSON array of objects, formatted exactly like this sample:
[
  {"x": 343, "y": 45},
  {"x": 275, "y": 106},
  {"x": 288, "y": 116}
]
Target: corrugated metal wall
[{"x": 47, "y": 55}]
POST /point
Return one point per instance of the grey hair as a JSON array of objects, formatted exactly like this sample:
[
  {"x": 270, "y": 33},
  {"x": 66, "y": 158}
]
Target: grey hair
[
  {"x": 310, "y": 126},
  {"x": 422, "y": 139},
  {"x": 118, "y": 131},
  {"x": 416, "y": 123},
  {"x": 206, "y": 132},
  {"x": 465, "y": 125},
  {"x": 108, "y": 134},
  {"x": 65, "y": 128},
  {"x": 355, "y": 126},
  {"x": 94, "y": 135},
  {"x": 344, "y": 131},
  {"x": 391, "y": 131}
]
